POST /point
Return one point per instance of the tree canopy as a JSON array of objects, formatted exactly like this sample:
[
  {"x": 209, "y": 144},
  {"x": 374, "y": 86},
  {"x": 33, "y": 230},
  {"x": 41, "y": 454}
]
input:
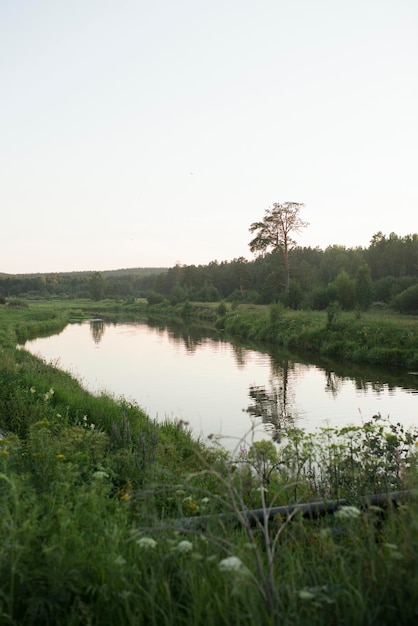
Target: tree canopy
[{"x": 275, "y": 232}]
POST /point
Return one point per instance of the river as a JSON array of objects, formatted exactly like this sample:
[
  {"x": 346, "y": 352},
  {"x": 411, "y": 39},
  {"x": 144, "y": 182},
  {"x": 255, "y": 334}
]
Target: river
[{"x": 223, "y": 389}]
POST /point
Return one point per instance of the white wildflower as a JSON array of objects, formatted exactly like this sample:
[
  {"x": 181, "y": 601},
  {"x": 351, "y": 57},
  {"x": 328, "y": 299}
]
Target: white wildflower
[
  {"x": 348, "y": 512},
  {"x": 147, "y": 542},
  {"x": 48, "y": 395},
  {"x": 100, "y": 475},
  {"x": 184, "y": 546},
  {"x": 231, "y": 564}
]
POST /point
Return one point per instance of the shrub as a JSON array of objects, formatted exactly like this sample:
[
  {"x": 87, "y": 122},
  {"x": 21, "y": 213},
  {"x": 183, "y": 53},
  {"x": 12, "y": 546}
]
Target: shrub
[
  {"x": 154, "y": 298},
  {"x": 406, "y": 301}
]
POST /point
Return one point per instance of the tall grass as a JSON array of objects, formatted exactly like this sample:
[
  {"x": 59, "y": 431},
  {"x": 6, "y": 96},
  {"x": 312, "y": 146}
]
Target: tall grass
[
  {"x": 104, "y": 516},
  {"x": 377, "y": 338}
]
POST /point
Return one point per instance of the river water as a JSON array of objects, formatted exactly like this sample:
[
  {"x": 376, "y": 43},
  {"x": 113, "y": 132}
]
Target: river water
[{"x": 223, "y": 389}]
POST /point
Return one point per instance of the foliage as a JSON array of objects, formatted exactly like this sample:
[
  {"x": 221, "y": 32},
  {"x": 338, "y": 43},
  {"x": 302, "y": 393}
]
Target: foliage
[
  {"x": 97, "y": 286},
  {"x": 364, "y": 287},
  {"x": 346, "y": 290},
  {"x": 333, "y": 315},
  {"x": 275, "y": 232},
  {"x": 356, "y": 277},
  {"x": 103, "y": 510},
  {"x": 406, "y": 301},
  {"x": 154, "y": 298}
]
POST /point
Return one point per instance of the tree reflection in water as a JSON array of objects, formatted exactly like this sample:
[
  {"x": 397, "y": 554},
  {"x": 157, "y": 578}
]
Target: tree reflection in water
[
  {"x": 333, "y": 383},
  {"x": 97, "y": 328},
  {"x": 274, "y": 406}
]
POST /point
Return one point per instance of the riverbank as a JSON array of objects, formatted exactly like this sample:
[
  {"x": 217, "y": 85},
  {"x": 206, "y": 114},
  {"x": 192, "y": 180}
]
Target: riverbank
[
  {"x": 376, "y": 337},
  {"x": 91, "y": 490}
]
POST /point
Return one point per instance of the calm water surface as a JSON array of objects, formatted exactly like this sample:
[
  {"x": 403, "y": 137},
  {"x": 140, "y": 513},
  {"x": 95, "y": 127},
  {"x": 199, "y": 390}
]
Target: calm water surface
[{"x": 219, "y": 388}]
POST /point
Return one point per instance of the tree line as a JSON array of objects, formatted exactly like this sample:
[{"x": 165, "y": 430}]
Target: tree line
[{"x": 383, "y": 274}]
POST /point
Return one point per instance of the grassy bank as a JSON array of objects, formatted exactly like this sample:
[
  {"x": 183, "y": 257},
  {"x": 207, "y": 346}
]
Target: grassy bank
[
  {"x": 378, "y": 338},
  {"x": 92, "y": 491}
]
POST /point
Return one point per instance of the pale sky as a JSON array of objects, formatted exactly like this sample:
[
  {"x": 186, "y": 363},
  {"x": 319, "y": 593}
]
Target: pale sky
[{"x": 142, "y": 133}]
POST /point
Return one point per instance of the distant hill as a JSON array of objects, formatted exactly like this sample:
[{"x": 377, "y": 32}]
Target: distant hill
[{"x": 135, "y": 271}]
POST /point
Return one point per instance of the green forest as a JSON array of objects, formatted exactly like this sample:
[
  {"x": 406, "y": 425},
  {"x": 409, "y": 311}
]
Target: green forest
[{"x": 385, "y": 274}]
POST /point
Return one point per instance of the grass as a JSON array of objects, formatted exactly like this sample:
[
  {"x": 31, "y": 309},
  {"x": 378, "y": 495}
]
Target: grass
[
  {"x": 94, "y": 497},
  {"x": 376, "y": 338}
]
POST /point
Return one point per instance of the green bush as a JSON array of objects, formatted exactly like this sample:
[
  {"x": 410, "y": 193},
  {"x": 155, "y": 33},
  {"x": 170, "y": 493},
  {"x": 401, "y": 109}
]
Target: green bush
[
  {"x": 154, "y": 298},
  {"x": 406, "y": 301}
]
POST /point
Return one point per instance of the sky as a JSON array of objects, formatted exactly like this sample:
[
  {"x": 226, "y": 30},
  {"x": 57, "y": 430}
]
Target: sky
[{"x": 139, "y": 133}]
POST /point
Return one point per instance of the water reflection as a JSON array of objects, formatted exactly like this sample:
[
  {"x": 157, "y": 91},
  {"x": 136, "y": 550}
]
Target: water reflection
[
  {"x": 200, "y": 377},
  {"x": 97, "y": 328},
  {"x": 191, "y": 337},
  {"x": 275, "y": 406},
  {"x": 240, "y": 356},
  {"x": 333, "y": 383}
]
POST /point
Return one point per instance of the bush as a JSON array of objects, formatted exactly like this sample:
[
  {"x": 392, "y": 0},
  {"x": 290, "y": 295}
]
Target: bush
[
  {"x": 406, "y": 301},
  {"x": 154, "y": 298}
]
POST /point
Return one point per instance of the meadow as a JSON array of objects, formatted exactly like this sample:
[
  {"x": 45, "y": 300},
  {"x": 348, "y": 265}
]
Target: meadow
[{"x": 108, "y": 517}]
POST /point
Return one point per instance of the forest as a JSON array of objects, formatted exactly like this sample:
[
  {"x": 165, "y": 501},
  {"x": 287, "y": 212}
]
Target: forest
[{"x": 385, "y": 274}]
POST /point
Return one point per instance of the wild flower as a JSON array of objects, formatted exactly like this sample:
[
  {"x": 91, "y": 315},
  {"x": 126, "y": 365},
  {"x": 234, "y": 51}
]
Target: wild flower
[
  {"x": 100, "y": 474},
  {"x": 60, "y": 457},
  {"x": 191, "y": 505},
  {"x": 48, "y": 395},
  {"x": 348, "y": 512},
  {"x": 32, "y": 390},
  {"x": 147, "y": 543},
  {"x": 184, "y": 546},
  {"x": 231, "y": 564}
]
